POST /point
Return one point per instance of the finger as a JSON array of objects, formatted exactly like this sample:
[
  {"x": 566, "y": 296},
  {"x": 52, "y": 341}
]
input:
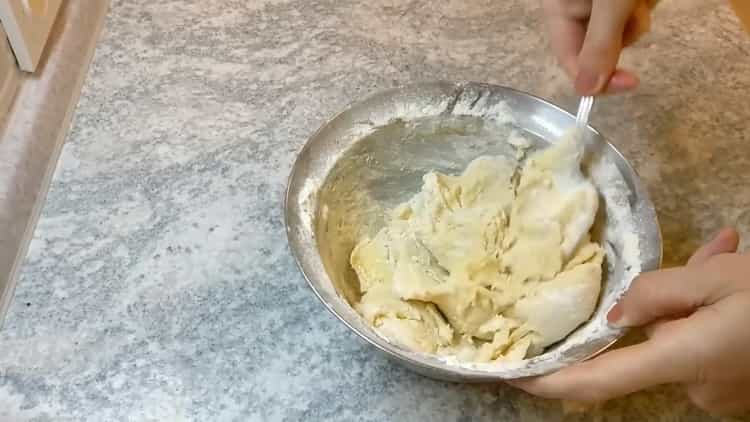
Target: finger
[
  {"x": 602, "y": 44},
  {"x": 664, "y": 294},
  {"x": 638, "y": 24},
  {"x": 566, "y": 38},
  {"x": 615, "y": 373},
  {"x": 726, "y": 241},
  {"x": 622, "y": 81},
  {"x": 576, "y": 9},
  {"x": 676, "y": 291}
]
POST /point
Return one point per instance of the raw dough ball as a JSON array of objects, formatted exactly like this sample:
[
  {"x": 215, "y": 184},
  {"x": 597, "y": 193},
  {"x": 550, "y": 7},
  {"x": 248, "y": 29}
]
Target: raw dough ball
[{"x": 490, "y": 265}]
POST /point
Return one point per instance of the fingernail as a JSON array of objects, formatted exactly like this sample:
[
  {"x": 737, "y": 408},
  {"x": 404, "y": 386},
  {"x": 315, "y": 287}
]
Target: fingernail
[
  {"x": 725, "y": 232},
  {"x": 622, "y": 82},
  {"x": 625, "y": 79},
  {"x": 588, "y": 83},
  {"x": 615, "y": 317}
]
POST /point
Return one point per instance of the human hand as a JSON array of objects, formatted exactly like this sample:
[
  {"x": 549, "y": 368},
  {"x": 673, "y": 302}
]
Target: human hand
[
  {"x": 696, "y": 318},
  {"x": 588, "y": 36}
]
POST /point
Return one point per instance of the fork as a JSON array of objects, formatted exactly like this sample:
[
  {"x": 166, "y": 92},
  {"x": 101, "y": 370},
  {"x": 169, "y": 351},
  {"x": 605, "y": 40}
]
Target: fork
[{"x": 584, "y": 109}]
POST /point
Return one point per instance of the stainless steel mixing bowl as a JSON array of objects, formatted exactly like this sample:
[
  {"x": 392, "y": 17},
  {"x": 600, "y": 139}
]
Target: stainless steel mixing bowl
[{"x": 372, "y": 157}]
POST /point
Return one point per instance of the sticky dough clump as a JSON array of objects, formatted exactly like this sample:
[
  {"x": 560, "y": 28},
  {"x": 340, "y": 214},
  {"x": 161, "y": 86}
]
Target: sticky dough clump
[{"x": 494, "y": 264}]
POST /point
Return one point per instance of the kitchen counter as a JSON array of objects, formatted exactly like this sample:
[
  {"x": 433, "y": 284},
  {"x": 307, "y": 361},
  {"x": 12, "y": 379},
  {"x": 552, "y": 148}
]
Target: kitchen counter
[{"x": 158, "y": 285}]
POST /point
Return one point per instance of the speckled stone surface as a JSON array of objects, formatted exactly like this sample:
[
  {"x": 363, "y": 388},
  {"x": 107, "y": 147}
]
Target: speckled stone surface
[{"x": 159, "y": 285}]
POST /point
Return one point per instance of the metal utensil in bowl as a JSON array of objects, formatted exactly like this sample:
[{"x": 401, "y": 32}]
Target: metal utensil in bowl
[
  {"x": 584, "y": 109},
  {"x": 372, "y": 156}
]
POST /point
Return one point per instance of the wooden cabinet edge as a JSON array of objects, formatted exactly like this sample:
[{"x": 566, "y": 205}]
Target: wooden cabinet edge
[
  {"x": 9, "y": 76},
  {"x": 28, "y": 35}
]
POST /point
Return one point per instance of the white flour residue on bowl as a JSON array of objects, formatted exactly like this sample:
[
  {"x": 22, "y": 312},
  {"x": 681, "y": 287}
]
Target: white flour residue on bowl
[
  {"x": 499, "y": 112},
  {"x": 383, "y": 165}
]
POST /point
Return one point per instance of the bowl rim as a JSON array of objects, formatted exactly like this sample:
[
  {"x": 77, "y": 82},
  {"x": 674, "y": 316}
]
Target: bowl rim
[{"x": 431, "y": 364}]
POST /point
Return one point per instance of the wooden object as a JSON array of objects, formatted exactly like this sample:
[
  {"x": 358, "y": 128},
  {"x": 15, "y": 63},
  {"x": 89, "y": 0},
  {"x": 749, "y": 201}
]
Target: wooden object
[
  {"x": 28, "y": 24},
  {"x": 9, "y": 75}
]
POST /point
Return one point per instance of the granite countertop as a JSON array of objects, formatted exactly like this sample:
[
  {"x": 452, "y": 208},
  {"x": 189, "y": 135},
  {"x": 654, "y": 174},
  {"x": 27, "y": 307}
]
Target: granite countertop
[{"x": 159, "y": 286}]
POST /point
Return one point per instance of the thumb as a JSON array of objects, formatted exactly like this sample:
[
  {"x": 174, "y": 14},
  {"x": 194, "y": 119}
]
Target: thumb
[
  {"x": 675, "y": 291},
  {"x": 602, "y": 45},
  {"x": 616, "y": 373}
]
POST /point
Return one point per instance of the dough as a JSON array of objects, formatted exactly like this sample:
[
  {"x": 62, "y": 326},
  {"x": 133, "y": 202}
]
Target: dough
[{"x": 494, "y": 264}]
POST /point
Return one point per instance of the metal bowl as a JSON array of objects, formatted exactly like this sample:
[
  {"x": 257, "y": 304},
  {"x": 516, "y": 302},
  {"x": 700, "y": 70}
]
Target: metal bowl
[{"x": 372, "y": 157}]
